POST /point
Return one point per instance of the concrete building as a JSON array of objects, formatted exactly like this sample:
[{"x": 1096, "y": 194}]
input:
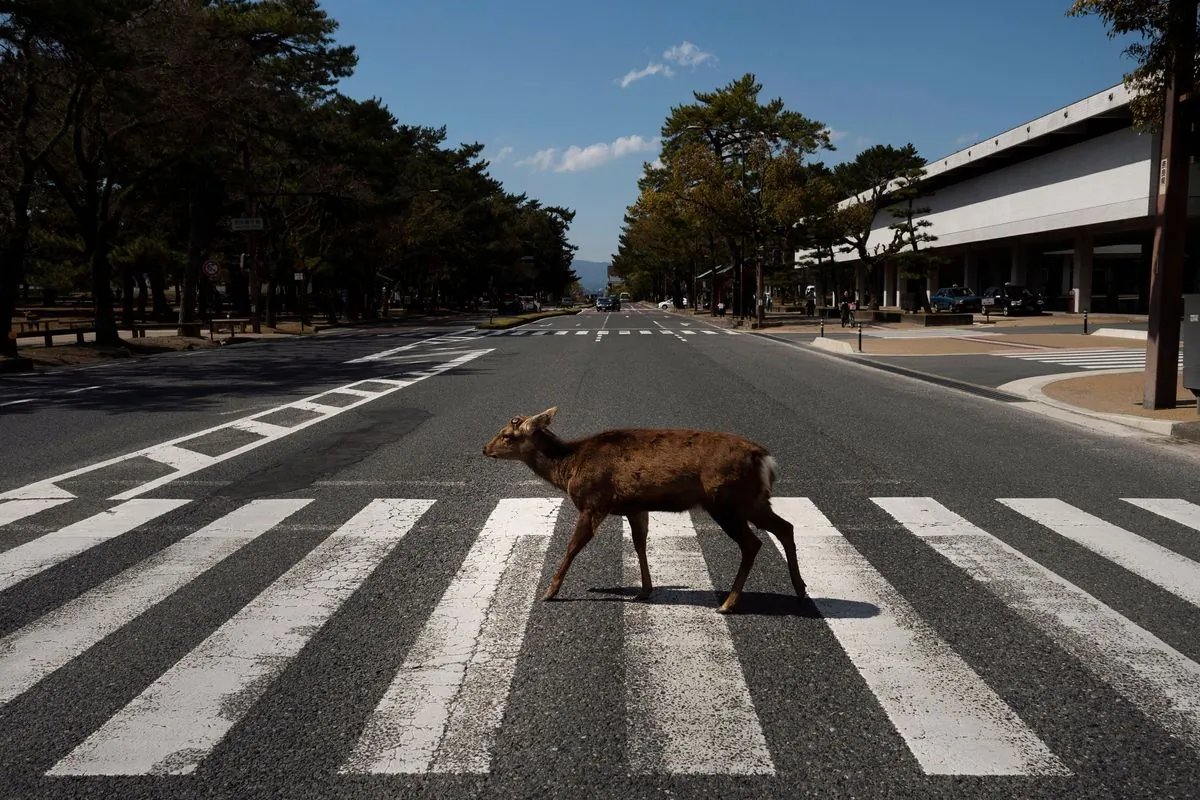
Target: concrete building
[{"x": 1063, "y": 204}]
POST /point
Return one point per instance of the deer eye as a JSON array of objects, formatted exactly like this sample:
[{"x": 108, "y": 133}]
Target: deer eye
[{"x": 515, "y": 421}]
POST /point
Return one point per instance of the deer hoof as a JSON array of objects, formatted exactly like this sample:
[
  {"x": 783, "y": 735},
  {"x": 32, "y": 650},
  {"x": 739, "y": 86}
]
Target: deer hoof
[
  {"x": 725, "y": 608},
  {"x": 549, "y": 595}
]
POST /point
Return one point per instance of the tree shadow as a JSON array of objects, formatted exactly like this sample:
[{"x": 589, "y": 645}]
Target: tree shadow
[
  {"x": 764, "y": 604},
  {"x": 202, "y": 380}
]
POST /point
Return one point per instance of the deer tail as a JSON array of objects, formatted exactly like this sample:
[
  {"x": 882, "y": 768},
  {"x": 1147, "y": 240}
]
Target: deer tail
[{"x": 768, "y": 470}]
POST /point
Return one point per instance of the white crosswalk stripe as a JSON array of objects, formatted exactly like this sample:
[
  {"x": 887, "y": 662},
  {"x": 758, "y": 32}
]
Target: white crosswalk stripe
[
  {"x": 689, "y": 700},
  {"x": 1087, "y": 357}
]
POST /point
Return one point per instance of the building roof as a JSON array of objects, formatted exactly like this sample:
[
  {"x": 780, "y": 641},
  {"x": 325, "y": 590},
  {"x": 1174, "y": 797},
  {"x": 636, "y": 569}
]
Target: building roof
[{"x": 1103, "y": 112}]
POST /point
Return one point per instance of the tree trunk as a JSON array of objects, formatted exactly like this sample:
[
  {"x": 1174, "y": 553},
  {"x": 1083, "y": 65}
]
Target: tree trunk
[
  {"x": 158, "y": 288},
  {"x": 142, "y": 299},
  {"x": 105, "y": 319},
  {"x": 127, "y": 320},
  {"x": 272, "y": 301},
  {"x": 12, "y": 256}
]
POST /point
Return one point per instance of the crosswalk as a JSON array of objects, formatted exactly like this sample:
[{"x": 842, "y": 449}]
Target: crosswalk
[
  {"x": 601, "y": 334},
  {"x": 1088, "y": 357},
  {"x": 688, "y": 694}
]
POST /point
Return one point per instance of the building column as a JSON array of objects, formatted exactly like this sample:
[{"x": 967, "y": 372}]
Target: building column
[
  {"x": 971, "y": 271},
  {"x": 931, "y": 285},
  {"x": 1084, "y": 248},
  {"x": 860, "y": 281},
  {"x": 1067, "y": 279},
  {"x": 891, "y": 297},
  {"x": 1019, "y": 271}
]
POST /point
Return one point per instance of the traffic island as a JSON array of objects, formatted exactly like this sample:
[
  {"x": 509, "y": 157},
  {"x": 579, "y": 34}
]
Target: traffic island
[{"x": 504, "y": 323}]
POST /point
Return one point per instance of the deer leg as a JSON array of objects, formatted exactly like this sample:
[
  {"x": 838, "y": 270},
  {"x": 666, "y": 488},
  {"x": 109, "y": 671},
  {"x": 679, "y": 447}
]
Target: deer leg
[
  {"x": 764, "y": 517},
  {"x": 585, "y": 529},
  {"x": 639, "y": 526},
  {"x": 740, "y": 532}
]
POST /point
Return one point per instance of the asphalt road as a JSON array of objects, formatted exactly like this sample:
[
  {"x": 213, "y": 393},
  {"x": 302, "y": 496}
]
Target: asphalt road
[{"x": 219, "y": 577}]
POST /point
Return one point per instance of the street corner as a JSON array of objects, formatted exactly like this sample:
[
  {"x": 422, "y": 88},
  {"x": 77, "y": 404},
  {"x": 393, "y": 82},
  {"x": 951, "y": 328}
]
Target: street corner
[{"x": 1113, "y": 396}]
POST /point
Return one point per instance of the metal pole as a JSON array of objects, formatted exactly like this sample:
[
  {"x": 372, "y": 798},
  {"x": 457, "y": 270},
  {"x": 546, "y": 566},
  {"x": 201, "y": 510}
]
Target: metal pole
[
  {"x": 860, "y": 337},
  {"x": 822, "y": 333},
  {"x": 1085, "y": 322},
  {"x": 1170, "y": 228}
]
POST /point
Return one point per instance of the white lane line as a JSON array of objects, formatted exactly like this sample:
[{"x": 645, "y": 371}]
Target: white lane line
[
  {"x": 1165, "y": 568},
  {"x": 14, "y": 510},
  {"x": 444, "y": 707},
  {"x": 1174, "y": 509},
  {"x": 646, "y": 332},
  {"x": 44, "y": 552},
  {"x": 582, "y": 333},
  {"x": 189, "y": 462},
  {"x": 46, "y": 644},
  {"x": 951, "y": 720},
  {"x": 625, "y": 333},
  {"x": 172, "y": 726},
  {"x": 689, "y": 708},
  {"x": 451, "y": 336},
  {"x": 18, "y": 402},
  {"x": 259, "y": 427},
  {"x": 82, "y": 389},
  {"x": 561, "y": 333},
  {"x": 1153, "y": 676}
]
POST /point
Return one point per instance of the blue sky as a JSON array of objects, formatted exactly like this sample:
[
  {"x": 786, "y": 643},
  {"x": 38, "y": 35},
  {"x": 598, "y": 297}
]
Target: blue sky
[{"x": 540, "y": 83}]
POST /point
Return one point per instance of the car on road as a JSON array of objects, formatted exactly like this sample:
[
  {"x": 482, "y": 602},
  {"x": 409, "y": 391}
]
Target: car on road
[
  {"x": 1011, "y": 299},
  {"x": 608, "y": 304},
  {"x": 958, "y": 299},
  {"x": 665, "y": 305}
]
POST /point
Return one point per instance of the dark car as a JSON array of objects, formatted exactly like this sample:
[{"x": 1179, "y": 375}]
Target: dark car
[
  {"x": 957, "y": 299},
  {"x": 608, "y": 304},
  {"x": 1011, "y": 299}
]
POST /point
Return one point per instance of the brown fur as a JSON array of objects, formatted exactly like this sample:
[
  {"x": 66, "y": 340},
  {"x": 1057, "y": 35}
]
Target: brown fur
[{"x": 633, "y": 471}]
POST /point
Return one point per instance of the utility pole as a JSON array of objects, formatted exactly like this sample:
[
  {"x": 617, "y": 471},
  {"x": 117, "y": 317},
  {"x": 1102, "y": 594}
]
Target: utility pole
[
  {"x": 759, "y": 306},
  {"x": 1170, "y": 224}
]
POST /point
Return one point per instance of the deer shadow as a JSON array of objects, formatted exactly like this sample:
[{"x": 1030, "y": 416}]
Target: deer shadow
[{"x": 764, "y": 604}]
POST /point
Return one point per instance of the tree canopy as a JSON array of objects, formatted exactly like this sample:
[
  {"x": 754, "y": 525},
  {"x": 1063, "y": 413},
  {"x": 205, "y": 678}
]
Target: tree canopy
[{"x": 133, "y": 131}]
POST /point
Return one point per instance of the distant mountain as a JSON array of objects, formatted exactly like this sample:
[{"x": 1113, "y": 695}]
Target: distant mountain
[{"x": 593, "y": 275}]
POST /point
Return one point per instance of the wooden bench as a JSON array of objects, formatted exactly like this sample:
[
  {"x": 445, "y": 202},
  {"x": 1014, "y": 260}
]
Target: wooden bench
[{"x": 220, "y": 324}]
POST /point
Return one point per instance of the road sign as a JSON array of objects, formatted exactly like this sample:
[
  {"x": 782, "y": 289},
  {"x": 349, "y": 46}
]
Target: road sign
[
  {"x": 211, "y": 268},
  {"x": 298, "y": 276},
  {"x": 246, "y": 224}
]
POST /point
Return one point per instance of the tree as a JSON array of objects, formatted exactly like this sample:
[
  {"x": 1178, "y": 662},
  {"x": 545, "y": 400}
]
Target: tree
[
  {"x": 737, "y": 161},
  {"x": 1148, "y": 20}
]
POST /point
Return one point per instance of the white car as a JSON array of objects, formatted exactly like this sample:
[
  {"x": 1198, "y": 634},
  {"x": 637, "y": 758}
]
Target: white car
[{"x": 666, "y": 305}]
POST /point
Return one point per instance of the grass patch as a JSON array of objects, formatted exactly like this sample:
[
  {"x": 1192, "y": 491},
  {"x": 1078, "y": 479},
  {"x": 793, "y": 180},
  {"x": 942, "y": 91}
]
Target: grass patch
[{"x": 503, "y": 323}]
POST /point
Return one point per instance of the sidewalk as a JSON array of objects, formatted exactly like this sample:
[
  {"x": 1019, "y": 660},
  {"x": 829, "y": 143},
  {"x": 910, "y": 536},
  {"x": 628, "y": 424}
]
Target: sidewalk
[{"x": 1104, "y": 395}]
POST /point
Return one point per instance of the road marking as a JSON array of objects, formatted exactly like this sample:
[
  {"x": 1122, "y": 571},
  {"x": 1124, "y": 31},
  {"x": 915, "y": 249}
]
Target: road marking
[
  {"x": 951, "y": 720},
  {"x": 186, "y": 462},
  {"x": 1153, "y": 676},
  {"x": 18, "y": 402},
  {"x": 625, "y": 333},
  {"x": 1165, "y": 568},
  {"x": 82, "y": 389},
  {"x": 582, "y": 333},
  {"x": 645, "y": 332},
  {"x": 442, "y": 339},
  {"x": 444, "y": 707},
  {"x": 689, "y": 708},
  {"x": 172, "y": 726},
  {"x": 44, "y": 552},
  {"x": 14, "y": 510},
  {"x": 45, "y": 645},
  {"x": 1180, "y": 511},
  {"x": 561, "y": 333}
]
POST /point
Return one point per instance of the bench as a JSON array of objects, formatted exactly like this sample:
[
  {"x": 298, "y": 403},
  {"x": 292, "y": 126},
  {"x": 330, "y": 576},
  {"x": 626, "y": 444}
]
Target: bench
[{"x": 215, "y": 325}]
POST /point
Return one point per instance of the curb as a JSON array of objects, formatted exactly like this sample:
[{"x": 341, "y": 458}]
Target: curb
[
  {"x": 833, "y": 345},
  {"x": 1119, "y": 333},
  {"x": 484, "y": 326},
  {"x": 1031, "y": 389}
]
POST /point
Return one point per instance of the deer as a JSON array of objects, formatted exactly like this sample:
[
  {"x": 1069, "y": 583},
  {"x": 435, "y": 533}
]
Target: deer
[{"x": 632, "y": 471}]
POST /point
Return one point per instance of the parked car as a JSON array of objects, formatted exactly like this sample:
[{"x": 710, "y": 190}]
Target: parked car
[
  {"x": 608, "y": 304},
  {"x": 666, "y": 305},
  {"x": 958, "y": 299},
  {"x": 1011, "y": 299}
]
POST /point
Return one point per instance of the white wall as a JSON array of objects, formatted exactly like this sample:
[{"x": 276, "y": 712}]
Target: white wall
[{"x": 1100, "y": 180}]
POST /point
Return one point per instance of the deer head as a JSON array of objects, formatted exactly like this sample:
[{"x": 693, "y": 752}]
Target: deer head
[{"x": 515, "y": 439}]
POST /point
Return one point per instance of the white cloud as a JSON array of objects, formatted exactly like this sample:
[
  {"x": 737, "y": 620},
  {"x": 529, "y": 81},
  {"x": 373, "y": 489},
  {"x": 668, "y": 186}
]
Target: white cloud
[
  {"x": 651, "y": 69},
  {"x": 862, "y": 141},
  {"x": 966, "y": 138},
  {"x": 836, "y": 135},
  {"x": 504, "y": 153},
  {"x": 685, "y": 55},
  {"x": 657, "y": 163},
  {"x": 542, "y": 159},
  {"x": 577, "y": 159}
]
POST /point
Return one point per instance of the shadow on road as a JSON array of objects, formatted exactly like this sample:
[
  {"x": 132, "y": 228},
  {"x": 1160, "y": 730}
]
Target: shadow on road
[
  {"x": 767, "y": 604},
  {"x": 202, "y": 382}
]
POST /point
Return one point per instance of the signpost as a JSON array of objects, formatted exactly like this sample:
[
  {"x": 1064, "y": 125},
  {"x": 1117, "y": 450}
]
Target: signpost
[{"x": 211, "y": 268}]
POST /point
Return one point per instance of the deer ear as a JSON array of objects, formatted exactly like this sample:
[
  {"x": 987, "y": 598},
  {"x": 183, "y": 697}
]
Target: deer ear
[{"x": 542, "y": 420}]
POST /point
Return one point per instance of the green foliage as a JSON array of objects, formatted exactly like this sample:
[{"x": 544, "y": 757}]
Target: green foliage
[{"x": 130, "y": 130}]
